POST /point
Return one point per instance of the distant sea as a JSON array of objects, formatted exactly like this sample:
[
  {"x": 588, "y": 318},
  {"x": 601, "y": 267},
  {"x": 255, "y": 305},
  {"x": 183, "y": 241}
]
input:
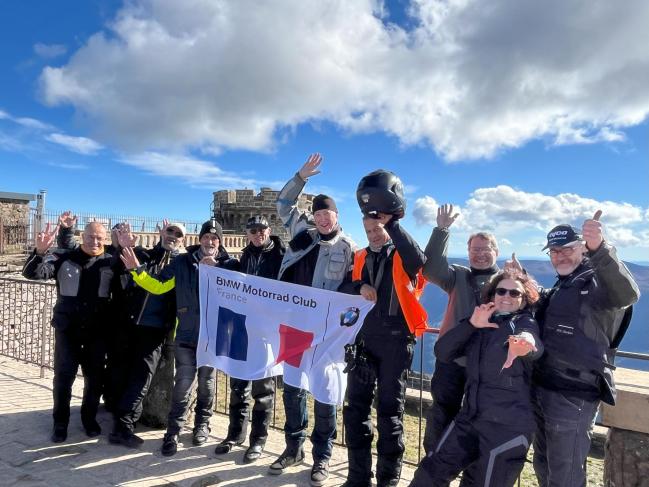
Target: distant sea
[{"x": 635, "y": 340}]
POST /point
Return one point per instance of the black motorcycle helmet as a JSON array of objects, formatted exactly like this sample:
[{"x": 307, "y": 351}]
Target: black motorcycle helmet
[{"x": 381, "y": 191}]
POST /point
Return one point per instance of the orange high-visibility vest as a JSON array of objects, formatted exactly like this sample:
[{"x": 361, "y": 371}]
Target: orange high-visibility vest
[{"x": 408, "y": 295}]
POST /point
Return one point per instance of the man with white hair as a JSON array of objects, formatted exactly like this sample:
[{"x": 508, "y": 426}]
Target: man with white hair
[
  {"x": 143, "y": 321},
  {"x": 583, "y": 318}
]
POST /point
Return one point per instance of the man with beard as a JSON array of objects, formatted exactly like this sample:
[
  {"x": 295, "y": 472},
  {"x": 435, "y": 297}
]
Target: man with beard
[
  {"x": 182, "y": 275},
  {"x": 319, "y": 255},
  {"x": 144, "y": 321},
  {"x": 84, "y": 279},
  {"x": 261, "y": 257},
  {"x": 463, "y": 286},
  {"x": 583, "y": 318}
]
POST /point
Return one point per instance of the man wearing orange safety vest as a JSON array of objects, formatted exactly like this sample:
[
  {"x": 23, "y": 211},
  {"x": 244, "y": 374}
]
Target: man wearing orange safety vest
[{"x": 387, "y": 272}]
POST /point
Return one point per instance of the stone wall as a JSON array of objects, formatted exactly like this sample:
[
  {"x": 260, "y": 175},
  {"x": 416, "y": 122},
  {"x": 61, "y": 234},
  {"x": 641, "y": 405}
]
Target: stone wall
[
  {"x": 14, "y": 223},
  {"x": 232, "y": 208},
  {"x": 14, "y": 212}
]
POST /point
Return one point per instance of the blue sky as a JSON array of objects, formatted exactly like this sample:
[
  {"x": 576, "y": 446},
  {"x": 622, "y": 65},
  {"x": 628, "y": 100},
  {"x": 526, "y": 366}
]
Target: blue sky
[{"x": 523, "y": 116}]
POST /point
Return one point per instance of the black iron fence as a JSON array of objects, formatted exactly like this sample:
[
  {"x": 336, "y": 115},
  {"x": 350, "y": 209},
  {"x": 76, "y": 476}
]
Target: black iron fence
[
  {"x": 26, "y": 335},
  {"x": 25, "y": 315},
  {"x": 19, "y": 235}
]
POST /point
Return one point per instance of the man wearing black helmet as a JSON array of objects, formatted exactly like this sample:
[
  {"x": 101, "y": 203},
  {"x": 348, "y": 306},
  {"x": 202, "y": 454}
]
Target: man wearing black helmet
[
  {"x": 388, "y": 273},
  {"x": 319, "y": 255},
  {"x": 261, "y": 257},
  {"x": 182, "y": 276}
]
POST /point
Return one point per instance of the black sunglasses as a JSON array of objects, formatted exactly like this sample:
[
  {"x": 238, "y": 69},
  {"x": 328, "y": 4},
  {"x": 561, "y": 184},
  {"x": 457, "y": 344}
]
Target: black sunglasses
[
  {"x": 253, "y": 231},
  {"x": 514, "y": 293},
  {"x": 174, "y": 232}
]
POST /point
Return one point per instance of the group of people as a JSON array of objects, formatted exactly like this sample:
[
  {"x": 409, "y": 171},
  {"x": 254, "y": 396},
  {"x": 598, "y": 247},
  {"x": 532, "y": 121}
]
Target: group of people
[{"x": 516, "y": 364}]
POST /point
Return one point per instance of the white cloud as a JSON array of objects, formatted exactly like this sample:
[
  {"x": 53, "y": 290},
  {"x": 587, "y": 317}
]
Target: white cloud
[
  {"x": 192, "y": 170},
  {"x": 508, "y": 212},
  {"x": 27, "y": 122},
  {"x": 467, "y": 80},
  {"x": 65, "y": 165},
  {"x": 80, "y": 145},
  {"x": 425, "y": 211},
  {"x": 49, "y": 51}
]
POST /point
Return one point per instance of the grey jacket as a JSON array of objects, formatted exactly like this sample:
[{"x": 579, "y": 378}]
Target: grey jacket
[
  {"x": 459, "y": 282},
  {"x": 336, "y": 256}
]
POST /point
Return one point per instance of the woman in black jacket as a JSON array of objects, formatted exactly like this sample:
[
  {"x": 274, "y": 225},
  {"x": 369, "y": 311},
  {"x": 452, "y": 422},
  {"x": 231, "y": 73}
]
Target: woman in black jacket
[{"x": 495, "y": 425}]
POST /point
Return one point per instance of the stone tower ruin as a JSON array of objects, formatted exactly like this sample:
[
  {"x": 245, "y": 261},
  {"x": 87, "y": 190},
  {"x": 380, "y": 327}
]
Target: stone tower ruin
[{"x": 232, "y": 208}]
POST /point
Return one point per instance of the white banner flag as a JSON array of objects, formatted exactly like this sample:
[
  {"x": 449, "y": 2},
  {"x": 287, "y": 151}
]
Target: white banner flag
[{"x": 252, "y": 327}]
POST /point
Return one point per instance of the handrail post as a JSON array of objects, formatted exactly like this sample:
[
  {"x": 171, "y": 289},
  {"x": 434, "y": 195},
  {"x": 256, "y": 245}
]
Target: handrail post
[
  {"x": 421, "y": 393},
  {"x": 44, "y": 333}
]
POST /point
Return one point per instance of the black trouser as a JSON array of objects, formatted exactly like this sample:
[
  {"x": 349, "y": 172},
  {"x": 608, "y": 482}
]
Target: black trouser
[
  {"x": 447, "y": 389},
  {"x": 390, "y": 358},
  {"x": 135, "y": 372},
  {"x": 562, "y": 441},
  {"x": 116, "y": 370},
  {"x": 495, "y": 451},
  {"x": 262, "y": 392},
  {"x": 78, "y": 345}
]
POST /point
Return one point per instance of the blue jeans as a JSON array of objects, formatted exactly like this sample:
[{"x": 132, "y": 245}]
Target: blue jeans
[
  {"x": 297, "y": 421},
  {"x": 564, "y": 426},
  {"x": 185, "y": 357}
]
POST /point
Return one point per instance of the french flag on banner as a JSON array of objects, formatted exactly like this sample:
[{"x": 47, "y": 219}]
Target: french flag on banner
[{"x": 252, "y": 327}]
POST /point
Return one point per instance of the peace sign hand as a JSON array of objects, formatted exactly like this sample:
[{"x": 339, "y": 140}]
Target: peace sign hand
[
  {"x": 310, "y": 167},
  {"x": 592, "y": 232},
  {"x": 129, "y": 258},
  {"x": 67, "y": 219},
  {"x": 44, "y": 240},
  {"x": 445, "y": 217}
]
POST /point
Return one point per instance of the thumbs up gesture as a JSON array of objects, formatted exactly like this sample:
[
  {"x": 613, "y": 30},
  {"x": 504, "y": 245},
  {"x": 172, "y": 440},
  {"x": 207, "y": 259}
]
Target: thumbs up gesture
[{"x": 592, "y": 232}]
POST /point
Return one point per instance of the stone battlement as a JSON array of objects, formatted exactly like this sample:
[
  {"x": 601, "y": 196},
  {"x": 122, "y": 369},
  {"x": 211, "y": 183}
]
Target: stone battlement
[{"x": 233, "y": 207}]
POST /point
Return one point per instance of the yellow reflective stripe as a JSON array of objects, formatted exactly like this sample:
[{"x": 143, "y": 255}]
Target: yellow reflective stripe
[{"x": 151, "y": 284}]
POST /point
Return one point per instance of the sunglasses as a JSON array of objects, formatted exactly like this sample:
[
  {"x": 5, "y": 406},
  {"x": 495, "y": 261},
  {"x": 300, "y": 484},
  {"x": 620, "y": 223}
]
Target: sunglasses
[
  {"x": 514, "y": 293},
  {"x": 254, "y": 231},
  {"x": 174, "y": 232}
]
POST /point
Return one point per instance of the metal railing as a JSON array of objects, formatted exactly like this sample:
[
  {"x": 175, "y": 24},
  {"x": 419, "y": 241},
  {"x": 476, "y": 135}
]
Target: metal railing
[
  {"x": 26, "y": 335},
  {"x": 38, "y": 220},
  {"x": 25, "y": 315}
]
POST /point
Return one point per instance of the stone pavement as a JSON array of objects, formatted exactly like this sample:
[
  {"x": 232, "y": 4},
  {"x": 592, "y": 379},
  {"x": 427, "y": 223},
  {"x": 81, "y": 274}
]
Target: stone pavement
[{"x": 28, "y": 458}]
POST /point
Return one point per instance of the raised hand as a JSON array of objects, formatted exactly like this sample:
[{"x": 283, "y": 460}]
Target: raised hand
[
  {"x": 368, "y": 292},
  {"x": 445, "y": 217},
  {"x": 163, "y": 228},
  {"x": 67, "y": 219},
  {"x": 125, "y": 237},
  {"x": 592, "y": 232},
  {"x": 44, "y": 240},
  {"x": 310, "y": 167},
  {"x": 129, "y": 258},
  {"x": 519, "y": 346},
  {"x": 513, "y": 267},
  {"x": 481, "y": 315}
]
